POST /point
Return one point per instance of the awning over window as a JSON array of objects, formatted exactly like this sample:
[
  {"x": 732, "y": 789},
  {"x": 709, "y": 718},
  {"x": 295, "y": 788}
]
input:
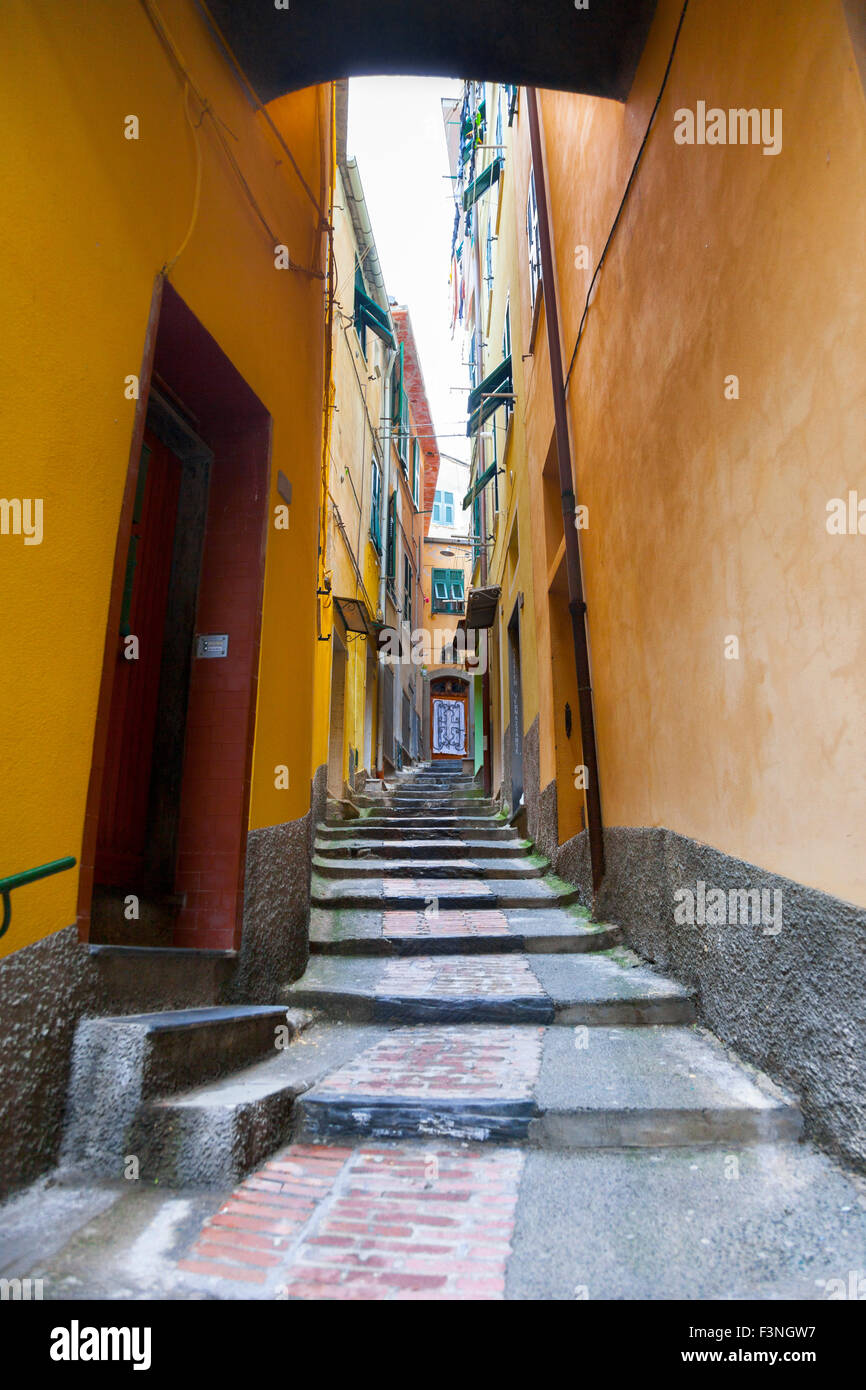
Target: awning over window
[
  {"x": 486, "y": 179},
  {"x": 479, "y": 485},
  {"x": 481, "y": 607},
  {"x": 356, "y": 616},
  {"x": 496, "y": 389},
  {"x": 368, "y": 313}
]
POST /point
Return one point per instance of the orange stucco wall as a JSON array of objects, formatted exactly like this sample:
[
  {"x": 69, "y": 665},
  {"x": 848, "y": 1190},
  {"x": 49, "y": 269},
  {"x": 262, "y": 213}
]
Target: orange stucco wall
[{"x": 708, "y": 515}]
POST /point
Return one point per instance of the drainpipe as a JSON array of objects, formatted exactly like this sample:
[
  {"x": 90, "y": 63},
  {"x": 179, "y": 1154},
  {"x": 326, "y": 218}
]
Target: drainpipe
[
  {"x": 576, "y": 601},
  {"x": 383, "y": 531}
]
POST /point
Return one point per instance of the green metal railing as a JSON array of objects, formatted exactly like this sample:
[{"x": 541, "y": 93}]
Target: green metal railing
[{"x": 57, "y": 866}]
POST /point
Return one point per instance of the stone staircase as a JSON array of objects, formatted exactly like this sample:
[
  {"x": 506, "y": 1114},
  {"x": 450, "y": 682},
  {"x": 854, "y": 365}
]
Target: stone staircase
[{"x": 455, "y": 989}]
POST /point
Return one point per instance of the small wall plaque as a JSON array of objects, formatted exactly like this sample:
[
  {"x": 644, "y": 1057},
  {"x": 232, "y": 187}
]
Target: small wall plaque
[{"x": 212, "y": 644}]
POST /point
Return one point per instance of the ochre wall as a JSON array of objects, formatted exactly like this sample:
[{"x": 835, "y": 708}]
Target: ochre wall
[
  {"x": 90, "y": 219},
  {"x": 707, "y": 515}
]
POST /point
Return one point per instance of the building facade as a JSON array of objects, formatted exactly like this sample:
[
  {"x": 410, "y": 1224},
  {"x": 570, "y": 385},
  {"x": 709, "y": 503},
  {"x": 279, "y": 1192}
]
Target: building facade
[{"x": 641, "y": 389}]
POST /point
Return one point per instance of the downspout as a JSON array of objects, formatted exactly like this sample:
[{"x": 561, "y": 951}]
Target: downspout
[
  {"x": 576, "y": 601},
  {"x": 383, "y": 533}
]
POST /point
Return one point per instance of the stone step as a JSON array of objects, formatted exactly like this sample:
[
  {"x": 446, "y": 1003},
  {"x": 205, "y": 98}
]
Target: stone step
[
  {"x": 414, "y": 824},
  {"x": 120, "y": 1063},
  {"x": 360, "y": 867},
  {"x": 432, "y": 793},
  {"x": 213, "y": 1135},
  {"x": 395, "y": 892},
  {"x": 473, "y": 932},
  {"x": 349, "y": 849},
  {"x": 362, "y": 832},
  {"x": 605, "y": 1088},
  {"x": 567, "y": 989}
]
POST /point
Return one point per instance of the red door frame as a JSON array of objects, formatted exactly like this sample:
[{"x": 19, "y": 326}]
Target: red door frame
[{"x": 212, "y": 917}]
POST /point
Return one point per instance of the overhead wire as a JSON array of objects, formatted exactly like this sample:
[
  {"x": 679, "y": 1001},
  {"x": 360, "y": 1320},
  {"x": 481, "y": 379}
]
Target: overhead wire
[
  {"x": 624, "y": 199},
  {"x": 156, "y": 19}
]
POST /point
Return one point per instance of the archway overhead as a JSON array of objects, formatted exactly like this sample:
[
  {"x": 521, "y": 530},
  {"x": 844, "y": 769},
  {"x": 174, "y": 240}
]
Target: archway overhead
[{"x": 542, "y": 43}]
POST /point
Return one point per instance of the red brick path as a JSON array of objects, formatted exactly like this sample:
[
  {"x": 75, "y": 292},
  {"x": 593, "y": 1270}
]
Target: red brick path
[
  {"x": 436, "y": 887},
  {"x": 413, "y": 1223},
  {"x": 251, "y": 1233},
  {"x": 447, "y": 1061},
  {"x": 446, "y": 922},
  {"x": 459, "y": 977},
  {"x": 403, "y": 1222}
]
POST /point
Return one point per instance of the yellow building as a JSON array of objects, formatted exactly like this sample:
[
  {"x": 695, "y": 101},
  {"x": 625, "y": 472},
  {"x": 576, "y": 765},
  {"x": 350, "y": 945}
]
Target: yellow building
[
  {"x": 347, "y": 663},
  {"x": 164, "y": 311}
]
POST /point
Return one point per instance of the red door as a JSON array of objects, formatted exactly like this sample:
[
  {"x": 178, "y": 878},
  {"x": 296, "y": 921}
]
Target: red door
[{"x": 122, "y": 832}]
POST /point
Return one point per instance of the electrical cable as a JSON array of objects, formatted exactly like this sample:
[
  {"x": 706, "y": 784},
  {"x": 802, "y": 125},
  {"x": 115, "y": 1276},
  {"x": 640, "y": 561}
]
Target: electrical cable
[
  {"x": 631, "y": 179},
  {"x": 169, "y": 44}
]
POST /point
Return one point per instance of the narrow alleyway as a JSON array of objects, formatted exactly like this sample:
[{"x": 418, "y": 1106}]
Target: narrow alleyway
[{"x": 486, "y": 1096}]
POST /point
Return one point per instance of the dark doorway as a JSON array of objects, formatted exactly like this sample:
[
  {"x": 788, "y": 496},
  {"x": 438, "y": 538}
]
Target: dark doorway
[
  {"x": 165, "y": 838},
  {"x": 515, "y": 708},
  {"x": 136, "y": 851}
]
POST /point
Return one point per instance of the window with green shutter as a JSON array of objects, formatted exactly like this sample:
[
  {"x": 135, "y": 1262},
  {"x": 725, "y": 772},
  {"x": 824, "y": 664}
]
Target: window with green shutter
[
  {"x": 376, "y": 505},
  {"x": 400, "y": 410},
  {"x": 407, "y": 589},
  {"x": 448, "y": 595},
  {"x": 391, "y": 565}
]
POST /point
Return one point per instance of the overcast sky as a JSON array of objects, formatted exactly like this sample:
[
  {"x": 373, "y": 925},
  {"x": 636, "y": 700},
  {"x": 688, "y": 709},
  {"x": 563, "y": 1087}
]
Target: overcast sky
[{"x": 396, "y": 133}]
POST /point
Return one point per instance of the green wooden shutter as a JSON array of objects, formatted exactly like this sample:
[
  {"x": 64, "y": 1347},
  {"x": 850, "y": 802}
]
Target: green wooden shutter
[{"x": 392, "y": 537}]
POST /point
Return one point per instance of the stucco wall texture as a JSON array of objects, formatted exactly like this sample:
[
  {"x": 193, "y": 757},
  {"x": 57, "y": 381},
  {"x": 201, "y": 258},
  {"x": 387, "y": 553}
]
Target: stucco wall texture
[
  {"x": 81, "y": 250},
  {"x": 707, "y": 516}
]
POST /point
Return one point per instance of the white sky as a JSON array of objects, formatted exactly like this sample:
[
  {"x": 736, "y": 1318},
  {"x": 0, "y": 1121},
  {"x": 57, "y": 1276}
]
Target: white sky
[{"x": 396, "y": 133}]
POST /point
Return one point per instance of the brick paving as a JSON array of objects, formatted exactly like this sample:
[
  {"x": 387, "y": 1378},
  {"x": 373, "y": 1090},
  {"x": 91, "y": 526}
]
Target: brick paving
[
  {"x": 459, "y": 977},
  {"x": 444, "y": 1062},
  {"x": 412, "y": 1223},
  {"x": 436, "y": 887},
  {"x": 446, "y": 922},
  {"x": 409, "y": 1221},
  {"x": 251, "y": 1233}
]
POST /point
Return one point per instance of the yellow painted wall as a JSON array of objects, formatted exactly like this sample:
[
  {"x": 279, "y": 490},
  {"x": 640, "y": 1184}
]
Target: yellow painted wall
[
  {"x": 512, "y": 555},
  {"x": 432, "y": 557},
  {"x": 90, "y": 220},
  {"x": 707, "y": 515},
  {"x": 352, "y": 559}
]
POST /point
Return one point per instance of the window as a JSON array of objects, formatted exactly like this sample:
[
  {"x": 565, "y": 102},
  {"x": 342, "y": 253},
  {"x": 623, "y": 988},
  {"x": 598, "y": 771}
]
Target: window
[
  {"x": 391, "y": 559},
  {"x": 533, "y": 241},
  {"x": 407, "y": 589},
  {"x": 400, "y": 411},
  {"x": 376, "y": 505},
  {"x": 478, "y": 539},
  {"x": 360, "y": 320},
  {"x": 416, "y": 472},
  {"x": 443, "y": 508},
  {"x": 448, "y": 594},
  {"x": 506, "y": 352}
]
